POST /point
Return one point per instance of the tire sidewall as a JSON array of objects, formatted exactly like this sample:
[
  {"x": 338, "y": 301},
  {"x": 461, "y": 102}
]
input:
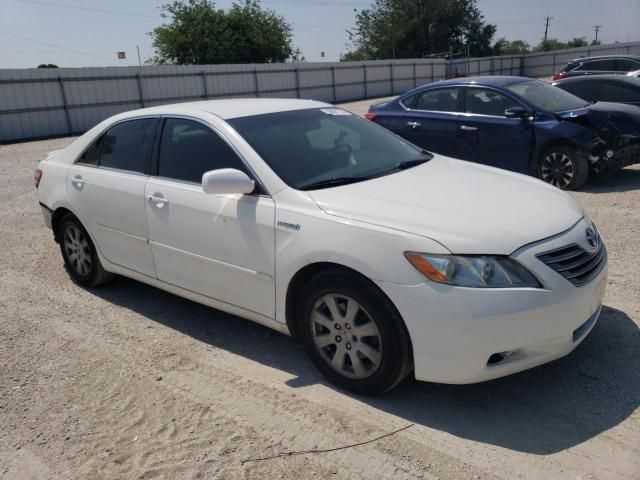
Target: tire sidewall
[
  {"x": 580, "y": 166},
  {"x": 396, "y": 352},
  {"x": 90, "y": 278}
]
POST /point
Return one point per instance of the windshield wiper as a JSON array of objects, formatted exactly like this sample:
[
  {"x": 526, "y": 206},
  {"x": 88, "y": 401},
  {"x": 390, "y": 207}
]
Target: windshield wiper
[
  {"x": 410, "y": 163},
  {"x": 332, "y": 182}
]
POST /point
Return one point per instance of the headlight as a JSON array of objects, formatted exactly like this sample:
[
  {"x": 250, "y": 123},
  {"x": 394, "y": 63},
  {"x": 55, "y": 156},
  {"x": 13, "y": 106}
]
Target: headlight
[{"x": 473, "y": 270}]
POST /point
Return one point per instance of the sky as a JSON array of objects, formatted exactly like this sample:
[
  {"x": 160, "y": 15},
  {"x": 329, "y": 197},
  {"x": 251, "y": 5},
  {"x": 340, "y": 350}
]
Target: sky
[{"x": 76, "y": 33}]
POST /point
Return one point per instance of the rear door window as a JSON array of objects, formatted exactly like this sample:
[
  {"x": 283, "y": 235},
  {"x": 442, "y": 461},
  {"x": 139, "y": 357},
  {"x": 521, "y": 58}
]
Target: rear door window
[
  {"x": 603, "y": 65},
  {"x": 590, "y": 91},
  {"x": 626, "y": 65},
  {"x": 188, "y": 149},
  {"x": 617, "y": 92},
  {"x": 126, "y": 146},
  {"x": 482, "y": 101},
  {"x": 439, "y": 100}
]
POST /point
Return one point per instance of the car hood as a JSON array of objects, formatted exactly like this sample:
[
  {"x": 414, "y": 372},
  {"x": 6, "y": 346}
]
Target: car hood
[
  {"x": 468, "y": 208},
  {"x": 616, "y": 125}
]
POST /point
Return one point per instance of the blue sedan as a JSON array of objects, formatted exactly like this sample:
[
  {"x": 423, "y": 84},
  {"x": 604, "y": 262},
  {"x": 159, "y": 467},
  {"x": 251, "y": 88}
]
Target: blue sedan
[{"x": 518, "y": 124}]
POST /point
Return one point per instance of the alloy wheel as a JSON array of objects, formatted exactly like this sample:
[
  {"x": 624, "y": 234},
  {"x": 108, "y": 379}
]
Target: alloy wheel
[
  {"x": 557, "y": 169},
  {"x": 346, "y": 336},
  {"x": 77, "y": 250}
]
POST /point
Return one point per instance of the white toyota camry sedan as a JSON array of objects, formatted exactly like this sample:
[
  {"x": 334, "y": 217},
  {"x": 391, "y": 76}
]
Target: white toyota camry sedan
[{"x": 381, "y": 258}]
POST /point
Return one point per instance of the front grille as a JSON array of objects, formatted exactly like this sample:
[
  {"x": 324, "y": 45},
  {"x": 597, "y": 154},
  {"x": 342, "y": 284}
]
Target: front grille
[{"x": 576, "y": 264}]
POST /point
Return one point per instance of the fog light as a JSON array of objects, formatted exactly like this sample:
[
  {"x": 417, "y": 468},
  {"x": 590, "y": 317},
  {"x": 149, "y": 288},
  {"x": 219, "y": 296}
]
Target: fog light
[{"x": 500, "y": 357}]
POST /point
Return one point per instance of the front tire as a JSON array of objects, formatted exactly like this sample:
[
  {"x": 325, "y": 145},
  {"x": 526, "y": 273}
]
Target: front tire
[
  {"x": 352, "y": 333},
  {"x": 79, "y": 254},
  {"x": 562, "y": 167}
]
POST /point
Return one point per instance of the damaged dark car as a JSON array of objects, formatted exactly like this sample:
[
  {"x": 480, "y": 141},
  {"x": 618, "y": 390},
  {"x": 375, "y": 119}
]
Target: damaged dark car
[{"x": 518, "y": 124}]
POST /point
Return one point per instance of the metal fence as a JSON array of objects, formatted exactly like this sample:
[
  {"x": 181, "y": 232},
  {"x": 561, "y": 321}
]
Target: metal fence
[{"x": 37, "y": 103}]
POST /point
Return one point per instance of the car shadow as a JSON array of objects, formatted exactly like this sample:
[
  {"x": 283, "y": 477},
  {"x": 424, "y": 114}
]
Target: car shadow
[
  {"x": 622, "y": 181},
  {"x": 541, "y": 411}
]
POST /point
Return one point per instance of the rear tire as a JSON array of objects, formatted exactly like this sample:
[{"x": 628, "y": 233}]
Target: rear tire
[
  {"x": 352, "y": 333},
  {"x": 79, "y": 254},
  {"x": 562, "y": 167}
]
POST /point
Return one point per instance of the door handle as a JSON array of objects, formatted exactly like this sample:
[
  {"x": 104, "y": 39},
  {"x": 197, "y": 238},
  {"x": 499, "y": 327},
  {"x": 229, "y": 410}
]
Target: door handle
[
  {"x": 77, "y": 181},
  {"x": 157, "y": 200},
  {"x": 468, "y": 128},
  {"x": 414, "y": 124}
]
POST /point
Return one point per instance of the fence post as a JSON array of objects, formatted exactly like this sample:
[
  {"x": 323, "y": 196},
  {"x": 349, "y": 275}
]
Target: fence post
[
  {"x": 364, "y": 71},
  {"x": 298, "y": 80},
  {"x": 204, "y": 85},
  {"x": 391, "y": 72},
  {"x": 140, "y": 89},
  {"x": 415, "y": 77},
  {"x": 333, "y": 82},
  {"x": 255, "y": 78},
  {"x": 67, "y": 114},
  {"x": 433, "y": 76},
  {"x": 511, "y": 67},
  {"x": 553, "y": 68}
]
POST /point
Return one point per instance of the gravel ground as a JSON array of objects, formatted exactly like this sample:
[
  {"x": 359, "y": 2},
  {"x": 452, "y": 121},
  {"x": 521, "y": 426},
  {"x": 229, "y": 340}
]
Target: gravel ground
[{"x": 127, "y": 381}]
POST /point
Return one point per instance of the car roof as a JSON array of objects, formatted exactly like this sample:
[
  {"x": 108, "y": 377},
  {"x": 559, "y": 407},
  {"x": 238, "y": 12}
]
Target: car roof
[
  {"x": 230, "y": 108},
  {"x": 485, "y": 81},
  {"x": 603, "y": 57},
  {"x": 591, "y": 78}
]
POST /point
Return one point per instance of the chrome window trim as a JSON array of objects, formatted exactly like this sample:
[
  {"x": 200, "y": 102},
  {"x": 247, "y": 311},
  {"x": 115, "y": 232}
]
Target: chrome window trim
[{"x": 468, "y": 114}]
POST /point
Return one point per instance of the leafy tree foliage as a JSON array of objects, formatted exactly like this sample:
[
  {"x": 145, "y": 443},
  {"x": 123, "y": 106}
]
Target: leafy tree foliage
[
  {"x": 47, "y": 65},
  {"x": 555, "y": 44},
  {"x": 416, "y": 28},
  {"x": 201, "y": 34},
  {"x": 510, "y": 47}
]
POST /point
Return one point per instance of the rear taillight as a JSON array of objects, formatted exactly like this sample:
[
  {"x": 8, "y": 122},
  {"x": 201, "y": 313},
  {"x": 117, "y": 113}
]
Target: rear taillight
[
  {"x": 37, "y": 176},
  {"x": 370, "y": 116},
  {"x": 559, "y": 75}
]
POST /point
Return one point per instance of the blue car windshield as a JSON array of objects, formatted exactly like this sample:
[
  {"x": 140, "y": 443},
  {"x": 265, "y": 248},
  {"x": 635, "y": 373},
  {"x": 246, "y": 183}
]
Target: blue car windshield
[{"x": 546, "y": 97}]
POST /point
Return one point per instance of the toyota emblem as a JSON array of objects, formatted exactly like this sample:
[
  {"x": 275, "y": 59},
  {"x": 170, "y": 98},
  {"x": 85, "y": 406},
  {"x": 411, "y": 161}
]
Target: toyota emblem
[{"x": 592, "y": 238}]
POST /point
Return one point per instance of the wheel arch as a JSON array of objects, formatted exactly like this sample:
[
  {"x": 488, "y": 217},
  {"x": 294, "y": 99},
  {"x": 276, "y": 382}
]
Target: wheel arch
[{"x": 309, "y": 271}]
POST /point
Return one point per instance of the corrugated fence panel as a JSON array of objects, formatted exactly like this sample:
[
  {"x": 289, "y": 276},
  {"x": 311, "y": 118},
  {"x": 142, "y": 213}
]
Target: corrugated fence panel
[{"x": 51, "y": 102}]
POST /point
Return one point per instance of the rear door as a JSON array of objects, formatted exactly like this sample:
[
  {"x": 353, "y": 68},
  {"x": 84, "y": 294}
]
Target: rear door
[
  {"x": 106, "y": 188},
  {"x": 492, "y": 138},
  {"x": 432, "y": 121},
  {"x": 591, "y": 90}
]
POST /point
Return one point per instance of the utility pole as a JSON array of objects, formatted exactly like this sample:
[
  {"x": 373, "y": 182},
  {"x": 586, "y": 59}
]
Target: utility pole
[
  {"x": 140, "y": 61},
  {"x": 597, "y": 29},
  {"x": 546, "y": 28}
]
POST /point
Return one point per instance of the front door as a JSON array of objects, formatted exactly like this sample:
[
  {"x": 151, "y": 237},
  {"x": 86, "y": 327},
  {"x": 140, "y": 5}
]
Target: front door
[
  {"x": 221, "y": 246},
  {"x": 106, "y": 187},
  {"x": 492, "y": 138}
]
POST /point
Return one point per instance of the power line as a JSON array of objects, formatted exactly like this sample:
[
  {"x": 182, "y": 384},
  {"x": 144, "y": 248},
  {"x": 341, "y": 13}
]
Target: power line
[
  {"x": 54, "y": 46},
  {"x": 90, "y": 9}
]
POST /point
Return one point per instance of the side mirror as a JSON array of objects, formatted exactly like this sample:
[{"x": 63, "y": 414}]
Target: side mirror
[
  {"x": 225, "y": 181},
  {"x": 516, "y": 112}
]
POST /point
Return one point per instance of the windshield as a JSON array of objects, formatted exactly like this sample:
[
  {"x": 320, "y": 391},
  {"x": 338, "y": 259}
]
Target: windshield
[
  {"x": 546, "y": 97},
  {"x": 323, "y": 147}
]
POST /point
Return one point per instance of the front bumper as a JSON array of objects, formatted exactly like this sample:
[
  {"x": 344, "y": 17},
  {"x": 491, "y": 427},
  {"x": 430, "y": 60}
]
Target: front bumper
[{"x": 458, "y": 334}]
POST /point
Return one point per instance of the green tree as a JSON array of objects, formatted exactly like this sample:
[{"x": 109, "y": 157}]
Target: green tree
[
  {"x": 577, "y": 42},
  {"x": 201, "y": 34},
  {"x": 47, "y": 65},
  {"x": 416, "y": 28},
  {"x": 549, "y": 44},
  {"x": 510, "y": 47}
]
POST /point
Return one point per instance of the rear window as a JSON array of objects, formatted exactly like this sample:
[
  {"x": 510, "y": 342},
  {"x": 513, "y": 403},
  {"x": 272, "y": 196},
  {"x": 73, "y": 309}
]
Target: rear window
[{"x": 568, "y": 67}]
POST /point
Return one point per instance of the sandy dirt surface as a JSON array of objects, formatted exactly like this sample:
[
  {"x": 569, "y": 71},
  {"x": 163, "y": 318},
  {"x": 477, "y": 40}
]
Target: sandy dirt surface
[{"x": 129, "y": 382}]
